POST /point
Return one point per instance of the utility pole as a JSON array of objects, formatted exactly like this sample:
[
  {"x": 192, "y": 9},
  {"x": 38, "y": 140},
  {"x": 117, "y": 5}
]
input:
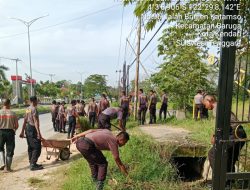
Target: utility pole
[
  {"x": 127, "y": 87},
  {"x": 124, "y": 77},
  {"x": 119, "y": 81},
  {"x": 51, "y": 75},
  {"x": 16, "y": 60},
  {"x": 137, "y": 68},
  {"x": 28, "y": 24}
]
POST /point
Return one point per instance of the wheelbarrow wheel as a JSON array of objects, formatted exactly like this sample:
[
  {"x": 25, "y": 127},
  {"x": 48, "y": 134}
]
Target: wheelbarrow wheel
[{"x": 64, "y": 154}]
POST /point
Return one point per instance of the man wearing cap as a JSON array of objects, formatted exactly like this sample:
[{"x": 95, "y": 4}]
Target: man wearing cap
[
  {"x": 31, "y": 126},
  {"x": 8, "y": 127},
  {"x": 108, "y": 114},
  {"x": 90, "y": 143}
]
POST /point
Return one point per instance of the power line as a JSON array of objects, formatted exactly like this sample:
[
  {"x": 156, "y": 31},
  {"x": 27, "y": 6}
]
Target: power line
[
  {"x": 149, "y": 41},
  {"x": 118, "y": 62},
  {"x": 61, "y": 23}
]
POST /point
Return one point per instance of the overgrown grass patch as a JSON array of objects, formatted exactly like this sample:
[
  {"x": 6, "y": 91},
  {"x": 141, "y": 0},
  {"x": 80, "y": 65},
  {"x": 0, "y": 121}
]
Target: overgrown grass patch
[
  {"x": 201, "y": 131},
  {"x": 147, "y": 168}
]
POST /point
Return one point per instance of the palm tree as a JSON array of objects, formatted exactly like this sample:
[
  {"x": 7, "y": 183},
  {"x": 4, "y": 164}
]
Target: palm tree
[{"x": 2, "y": 72}]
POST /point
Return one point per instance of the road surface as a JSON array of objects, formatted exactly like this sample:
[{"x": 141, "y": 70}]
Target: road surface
[{"x": 46, "y": 130}]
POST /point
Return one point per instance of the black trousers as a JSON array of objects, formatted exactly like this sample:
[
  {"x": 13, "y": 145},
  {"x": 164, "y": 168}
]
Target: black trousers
[
  {"x": 233, "y": 155},
  {"x": 204, "y": 112},
  {"x": 152, "y": 111},
  {"x": 104, "y": 122},
  {"x": 92, "y": 118},
  {"x": 7, "y": 137},
  {"x": 142, "y": 115},
  {"x": 96, "y": 160},
  {"x": 164, "y": 110},
  {"x": 34, "y": 144},
  {"x": 54, "y": 115},
  {"x": 124, "y": 117},
  {"x": 72, "y": 126}
]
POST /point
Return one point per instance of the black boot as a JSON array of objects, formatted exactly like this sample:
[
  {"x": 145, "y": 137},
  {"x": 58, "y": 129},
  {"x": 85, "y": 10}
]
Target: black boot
[
  {"x": 2, "y": 160},
  {"x": 8, "y": 163},
  {"x": 34, "y": 167}
]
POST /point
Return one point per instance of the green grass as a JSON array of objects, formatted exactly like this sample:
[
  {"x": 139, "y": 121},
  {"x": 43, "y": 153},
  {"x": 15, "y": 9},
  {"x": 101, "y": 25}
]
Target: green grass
[
  {"x": 41, "y": 109},
  {"x": 201, "y": 131},
  {"x": 147, "y": 169}
]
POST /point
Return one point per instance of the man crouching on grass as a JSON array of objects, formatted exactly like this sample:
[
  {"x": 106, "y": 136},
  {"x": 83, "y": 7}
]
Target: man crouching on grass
[{"x": 91, "y": 142}]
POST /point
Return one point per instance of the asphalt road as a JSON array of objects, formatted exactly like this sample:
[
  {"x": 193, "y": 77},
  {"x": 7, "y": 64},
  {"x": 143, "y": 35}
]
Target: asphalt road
[{"x": 46, "y": 130}]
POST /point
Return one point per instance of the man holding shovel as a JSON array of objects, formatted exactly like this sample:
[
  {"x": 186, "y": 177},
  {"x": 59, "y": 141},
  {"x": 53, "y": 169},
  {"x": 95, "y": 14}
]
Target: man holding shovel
[{"x": 91, "y": 142}]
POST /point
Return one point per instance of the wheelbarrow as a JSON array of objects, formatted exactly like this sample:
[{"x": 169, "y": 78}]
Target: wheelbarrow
[{"x": 58, "y": 148}]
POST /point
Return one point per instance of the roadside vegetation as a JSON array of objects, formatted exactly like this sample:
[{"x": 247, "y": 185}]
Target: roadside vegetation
[
  {"x": 148, "y": 169},
  {"x": 41, "y": 109}
]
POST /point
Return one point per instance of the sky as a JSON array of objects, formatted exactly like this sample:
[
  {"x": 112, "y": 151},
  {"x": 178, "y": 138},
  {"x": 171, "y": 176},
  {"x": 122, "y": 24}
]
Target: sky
[{"x": 77, "y": 36}]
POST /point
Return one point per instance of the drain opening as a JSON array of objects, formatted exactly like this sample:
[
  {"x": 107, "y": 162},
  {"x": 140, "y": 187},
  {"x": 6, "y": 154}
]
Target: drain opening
[{"x": 188, "y": 168}]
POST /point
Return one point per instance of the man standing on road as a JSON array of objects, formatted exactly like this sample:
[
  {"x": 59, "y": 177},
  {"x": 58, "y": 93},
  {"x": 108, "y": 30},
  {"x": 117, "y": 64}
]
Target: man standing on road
[
  {"x": 108, "y": 114},
  {"x": 79, "y": 108},
  {"x": 164, "y": 105},
  {"x": 31, "y": 126},
  {"x": 54, "y": 113},
  {"x": 8, "y": 127},
  {"x": 72, "y": 115},
  {"x": 92, "y": 112},
  {"x": 90, "y": 144},
  {"x": 62, "y": 117},
  {"x": 143, "y": 106},
  {"x": 152, "y": 107}
]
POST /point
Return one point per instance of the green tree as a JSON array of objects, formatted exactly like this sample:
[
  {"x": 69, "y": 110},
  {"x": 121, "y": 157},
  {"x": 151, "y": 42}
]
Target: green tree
[
  {"x": 47, "y": 89},
  {"x": 95, "y": 84},
  {"x": 182, "y": 75},
  {"x": 5, "y": 89},
  {"x": 4, "y": 83},
  {"x": 2, "y": 72},
  {"x": 146, "y": 85}
]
